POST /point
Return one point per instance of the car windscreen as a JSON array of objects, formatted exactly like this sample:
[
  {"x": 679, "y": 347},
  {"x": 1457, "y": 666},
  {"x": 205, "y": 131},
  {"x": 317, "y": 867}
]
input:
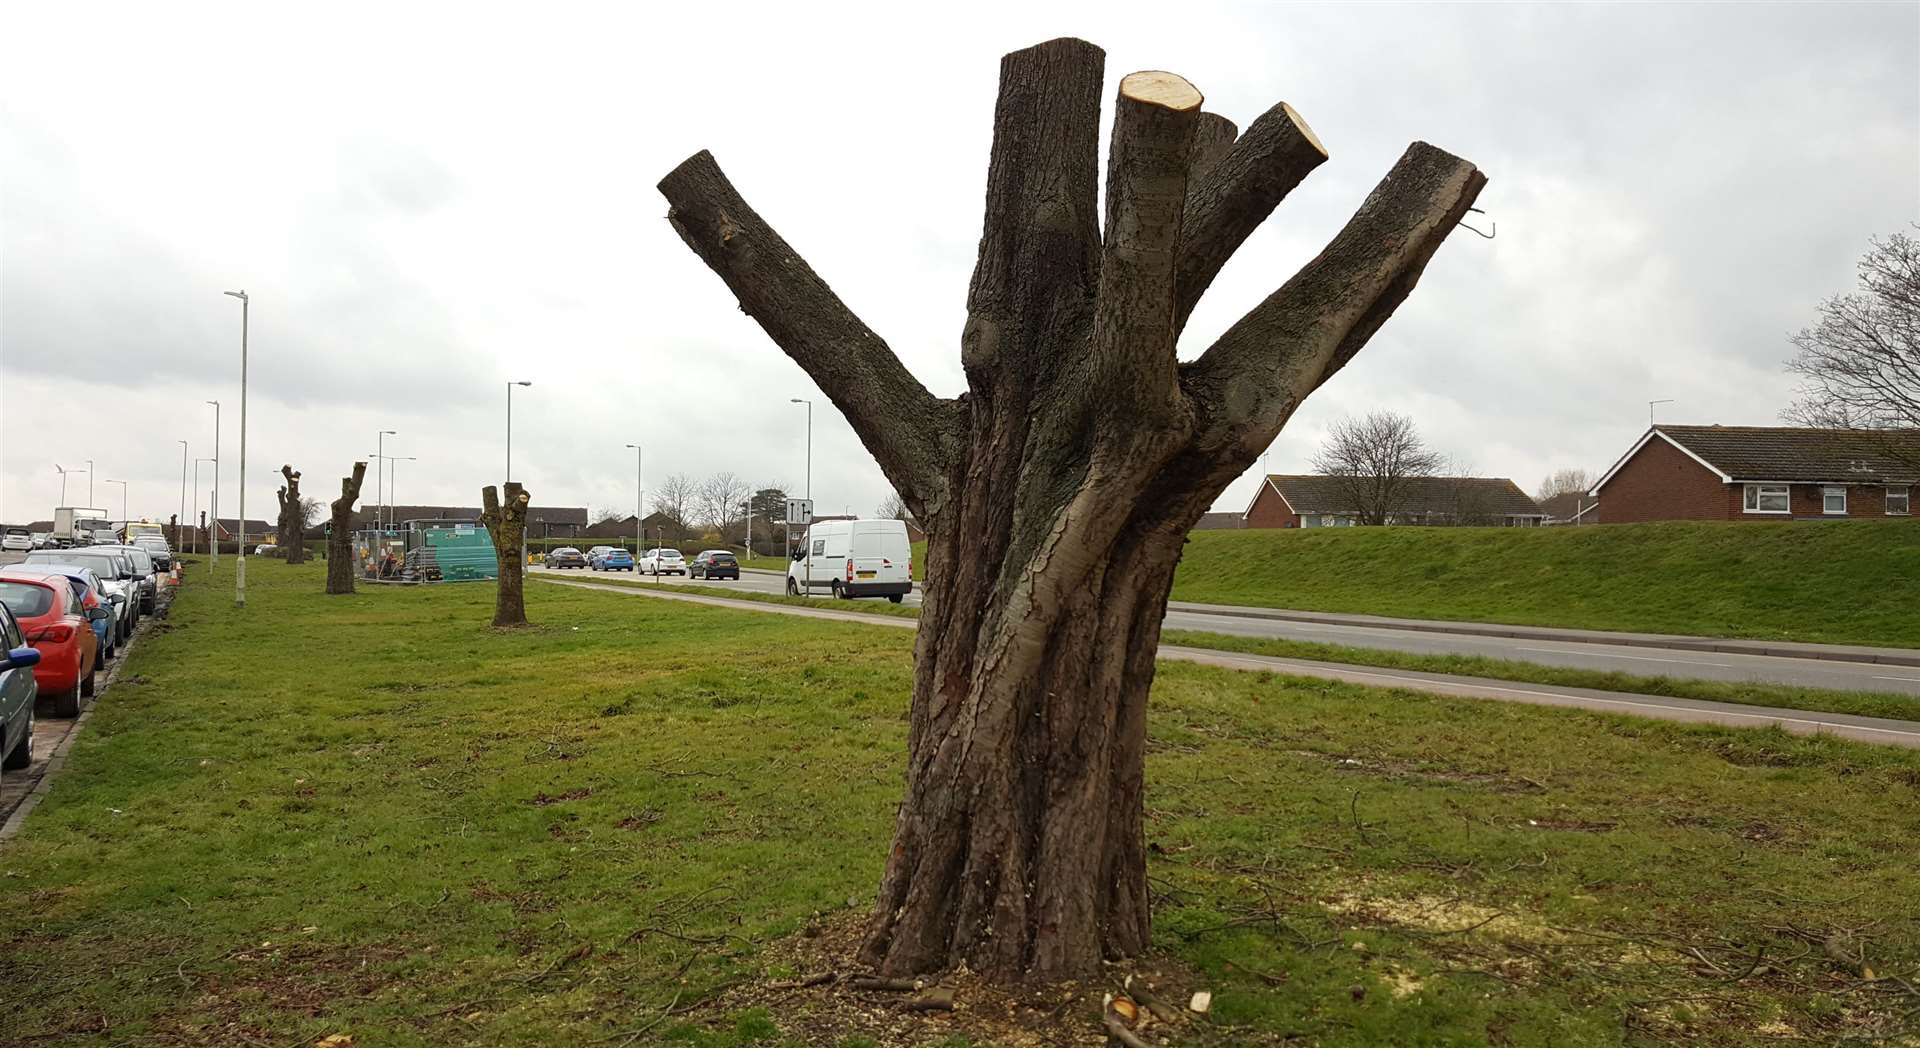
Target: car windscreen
[
  {"x": 142, "y": 564},
  {"x": 103, "y": 565},
  {"x": 25, "y": 599}
]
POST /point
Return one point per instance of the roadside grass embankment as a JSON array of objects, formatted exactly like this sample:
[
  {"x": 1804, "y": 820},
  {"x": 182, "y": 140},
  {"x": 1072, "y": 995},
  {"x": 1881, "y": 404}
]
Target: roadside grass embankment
[
  {"x": 1747, "y": 693},
  {"x": 374, "y": 815},
  {"x": 1830, "y": 582}
]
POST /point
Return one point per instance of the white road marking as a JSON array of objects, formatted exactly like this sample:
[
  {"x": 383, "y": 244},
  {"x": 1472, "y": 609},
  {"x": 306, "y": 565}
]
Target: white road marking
[
  {"x": 1896, "y": 678},
  {"x": 1636, "y": 658}
]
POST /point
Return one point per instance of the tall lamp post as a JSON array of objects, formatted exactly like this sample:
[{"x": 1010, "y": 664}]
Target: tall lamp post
[
  {"x": 807, "y": 565},
  {"x": 57, "y": 468},
  {"x": 213, "y": 500},
  {"x": 240, "y": 566},
  {"x": 639, "y": 500},
  {"x": 510, "y": 386},
  {"x": 181, "y": 520},
  {"x": 90, "y": 484},
  {"x": 393, "y": 482},
  {"x": 379, "y": 473},
  {"x": 196, "y": 499},
  {"x": 123, "y": 504}
]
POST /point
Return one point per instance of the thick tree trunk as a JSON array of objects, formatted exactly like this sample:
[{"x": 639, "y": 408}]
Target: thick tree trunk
[
  {"x": 507, "y": 524},
  {"x": 341, "y": 563},
  {"x": 1058, "y": 491},
  {"x": 290, "y": 534}
]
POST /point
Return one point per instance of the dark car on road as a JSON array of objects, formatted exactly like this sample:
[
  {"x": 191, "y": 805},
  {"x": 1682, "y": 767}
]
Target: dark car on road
[
  {"x": 714, "y": 564},
  {"x": 566, "y": 557},
  {"x": 17, "y": 694}
]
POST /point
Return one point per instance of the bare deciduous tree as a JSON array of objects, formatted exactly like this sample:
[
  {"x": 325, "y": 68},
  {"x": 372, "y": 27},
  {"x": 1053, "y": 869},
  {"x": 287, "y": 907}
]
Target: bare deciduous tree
[
  {"x": 507, "y": 524},
  {"x": 1375, "y": 461},
  {"x": 340, "y": 565},
  {"x": 309, "y": 511},
  {"x": 1058, "y": 490},
  {"x": 1861, "y": 359},
  {"x": 1565, "y": 482},
  {"x": 721, "y": 500},
  {"x": 676, "y": 498},
  {"x": 893, "y": 507}
]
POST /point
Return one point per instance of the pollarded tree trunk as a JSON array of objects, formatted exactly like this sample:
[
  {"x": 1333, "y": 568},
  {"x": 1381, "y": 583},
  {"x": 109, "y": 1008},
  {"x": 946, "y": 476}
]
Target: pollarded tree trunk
[
  {"x": 292, "y": 526},
  {"x": 508, "y": 526},
  {"x": 1058, "y": 490},
  {"x": 340, "y": 560}
]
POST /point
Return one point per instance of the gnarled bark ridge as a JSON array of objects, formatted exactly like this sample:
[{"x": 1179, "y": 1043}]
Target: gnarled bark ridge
[
  {"x": 1058, "y": 490},
  {"x": 340, "y": 559},
  {"x": 507, "y": 524},
  {"x": 290, "y": 529}
]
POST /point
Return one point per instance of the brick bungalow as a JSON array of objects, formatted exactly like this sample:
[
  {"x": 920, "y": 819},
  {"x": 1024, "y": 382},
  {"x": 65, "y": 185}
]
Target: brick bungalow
[
  {"x": 1305, "y": 501},
  {"x": 1761, "y": 473}
]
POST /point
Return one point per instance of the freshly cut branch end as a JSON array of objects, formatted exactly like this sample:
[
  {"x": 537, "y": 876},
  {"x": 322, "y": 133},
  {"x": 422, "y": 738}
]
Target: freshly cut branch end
[
  {"x": 1305, "y": 131},
  {"x": 1155, "y": 87}
]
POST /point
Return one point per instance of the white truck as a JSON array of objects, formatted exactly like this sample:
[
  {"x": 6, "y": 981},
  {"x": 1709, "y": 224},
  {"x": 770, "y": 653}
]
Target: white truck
[
  {"x": 854, "y": 558},
  {"x": 77, "y": 526}
]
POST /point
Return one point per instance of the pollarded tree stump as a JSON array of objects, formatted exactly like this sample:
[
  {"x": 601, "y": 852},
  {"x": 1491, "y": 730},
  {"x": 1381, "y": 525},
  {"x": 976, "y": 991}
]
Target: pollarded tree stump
[{"x": 507, "y": 524}]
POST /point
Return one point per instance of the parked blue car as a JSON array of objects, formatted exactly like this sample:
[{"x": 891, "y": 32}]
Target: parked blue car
[{"x": 613, "y": 559}]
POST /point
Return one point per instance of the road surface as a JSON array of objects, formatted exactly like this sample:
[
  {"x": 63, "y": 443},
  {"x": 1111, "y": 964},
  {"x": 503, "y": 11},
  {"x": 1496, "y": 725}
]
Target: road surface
[
  {"x": 1864, "y": 729},
  {"x": 1644, "y": 661}
]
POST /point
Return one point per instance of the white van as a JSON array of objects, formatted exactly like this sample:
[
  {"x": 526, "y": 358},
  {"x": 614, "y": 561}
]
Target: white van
[{"x": 854, "y": 558}]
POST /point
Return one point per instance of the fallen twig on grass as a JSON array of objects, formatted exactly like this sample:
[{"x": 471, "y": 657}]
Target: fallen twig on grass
[
  {"x": 876, "y": 982},
  {"x": 1118, "y": 1030},
  {"x": 816, "y": 979}
]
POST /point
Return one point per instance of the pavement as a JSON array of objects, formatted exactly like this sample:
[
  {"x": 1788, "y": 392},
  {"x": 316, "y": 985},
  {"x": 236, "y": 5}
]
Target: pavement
[
  {"x": 1841, "y": 668},
  {"x": 1799, "y": 722}
]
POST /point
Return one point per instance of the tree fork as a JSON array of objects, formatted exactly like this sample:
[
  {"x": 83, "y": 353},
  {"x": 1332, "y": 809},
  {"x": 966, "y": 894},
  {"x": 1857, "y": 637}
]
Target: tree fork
[{"x": 1058, "y": 491}]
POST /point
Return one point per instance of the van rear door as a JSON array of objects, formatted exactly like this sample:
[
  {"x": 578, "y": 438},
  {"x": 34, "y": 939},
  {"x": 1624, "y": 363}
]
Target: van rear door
[{"x": 880, "y": 551}]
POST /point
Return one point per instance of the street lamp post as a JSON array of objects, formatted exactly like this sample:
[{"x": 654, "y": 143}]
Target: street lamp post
[
  {"x": 90, "y": 484},
  {"x": 123, "y": 504},
  {"x": 57, "y": 468},
  {"x": 379, "y": 487},
  {"x": 213, "y": 500},
  {"x": 393, "y": 482},
  {"x": 510, "y": 386},
  {"x": 639, "y": 500},
  {"x": 240, "y": 566},
  {"x": 181, "y": 520},
  {"x": 807, "y": 567}
]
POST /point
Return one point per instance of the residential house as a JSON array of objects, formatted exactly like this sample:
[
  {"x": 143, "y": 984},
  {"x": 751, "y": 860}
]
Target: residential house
[
  {"x": 542, "y": 521},
  {"x": 1220, "y": 521},
  {"x": 1761, "y": 473},
  {"x": 1304, "y": 501},
  {"x": 1571, "y": 507}
]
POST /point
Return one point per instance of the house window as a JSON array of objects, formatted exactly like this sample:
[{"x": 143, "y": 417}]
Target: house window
[
  {"x": 1767, "y": 498},
  {"x": 1899, "y": 501},
  {"x": 1833, "y": 501}
]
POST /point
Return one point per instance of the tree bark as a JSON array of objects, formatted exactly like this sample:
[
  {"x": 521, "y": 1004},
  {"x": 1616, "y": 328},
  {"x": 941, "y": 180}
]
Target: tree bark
[
  {"x": 1058, "y": 490},
  {"x": 340, "y": 560},
  {"x": 507, "y": 524},
  {"x": 291, "y": 533}
]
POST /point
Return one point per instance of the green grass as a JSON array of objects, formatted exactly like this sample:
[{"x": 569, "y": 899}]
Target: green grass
[
  {"x": 373, "y": 815},
  {"x": 1840, "y": 582},
  {"x": 1786, "y": 696},
  {"x": 1750, "y": 693},
  {"x": 864, "y": 606}
]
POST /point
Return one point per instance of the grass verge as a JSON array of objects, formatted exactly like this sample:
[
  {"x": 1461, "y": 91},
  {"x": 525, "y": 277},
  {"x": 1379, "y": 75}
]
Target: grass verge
[
  {"x": 373, "y": 815},
  {"x": 1827, "y": 582},
  {"x": 1785, "y": 696}
]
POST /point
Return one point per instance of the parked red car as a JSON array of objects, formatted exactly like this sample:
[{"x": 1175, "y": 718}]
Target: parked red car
[{"x": 59, "y": 626}]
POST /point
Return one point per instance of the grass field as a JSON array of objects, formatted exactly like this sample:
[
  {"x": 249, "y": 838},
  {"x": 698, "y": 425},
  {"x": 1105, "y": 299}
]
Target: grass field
[
  {"x": 372, "y": 815},
  {"x": 1835, "y": 582}
]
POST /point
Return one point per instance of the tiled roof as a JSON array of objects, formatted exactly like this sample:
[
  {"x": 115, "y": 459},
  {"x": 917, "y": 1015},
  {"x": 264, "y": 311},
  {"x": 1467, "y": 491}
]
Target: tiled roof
[
  {"x": 1438, "y": 496},
  {"x": 1797, "y": 453},
  {"x": 556, "y": 515}
]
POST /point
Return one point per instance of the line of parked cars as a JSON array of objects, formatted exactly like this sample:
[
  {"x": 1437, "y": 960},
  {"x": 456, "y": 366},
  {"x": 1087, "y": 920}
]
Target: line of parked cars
[{"x": 64, "y": 614}]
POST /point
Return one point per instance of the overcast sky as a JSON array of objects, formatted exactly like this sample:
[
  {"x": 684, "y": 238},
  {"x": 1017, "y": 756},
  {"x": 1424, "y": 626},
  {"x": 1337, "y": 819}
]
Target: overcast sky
[{"x": 427, "y": 202}]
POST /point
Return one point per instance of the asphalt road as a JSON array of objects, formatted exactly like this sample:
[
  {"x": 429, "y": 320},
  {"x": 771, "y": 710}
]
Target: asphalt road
[
  {"x": 1864, "y": 729},
  {"x": 1638, "y": 660}
]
